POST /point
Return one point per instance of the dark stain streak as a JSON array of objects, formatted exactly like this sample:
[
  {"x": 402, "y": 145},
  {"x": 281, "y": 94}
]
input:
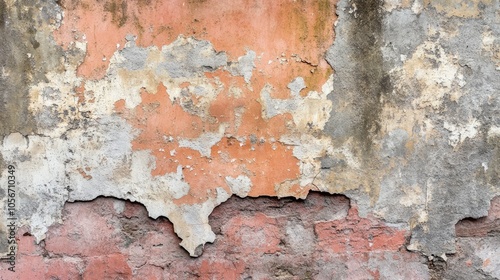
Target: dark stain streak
[
  {"x": 2, "y": 162},
  {"x": 371, "y": 81},
  {"x": 118, "y": 12},
  {"x": 3, "y": 16}
]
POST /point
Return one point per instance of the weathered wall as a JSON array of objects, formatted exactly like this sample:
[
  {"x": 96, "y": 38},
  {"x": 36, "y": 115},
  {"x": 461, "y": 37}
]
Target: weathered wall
[
  {"x": 183, "y": 105},
  {"x": 322, "y": 237}
]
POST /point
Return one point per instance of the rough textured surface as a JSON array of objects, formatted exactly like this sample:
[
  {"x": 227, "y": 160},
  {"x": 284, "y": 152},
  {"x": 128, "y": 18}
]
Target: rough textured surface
[
  {"x": 421, "y": 116},
  {"x": 257, "y": 238},
  {"x": 172, "y": 104}
]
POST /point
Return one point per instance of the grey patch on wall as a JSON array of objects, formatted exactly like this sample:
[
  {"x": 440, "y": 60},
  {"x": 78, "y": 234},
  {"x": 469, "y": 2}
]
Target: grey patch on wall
[
  {"x": 244, "y": 67},
  {"x": 191, "y": 58},
  {"x": 393, "y": 145},
  {"x": 2, "y": 162},
  {"x": 475, "y": 251},
  {"x": 135, "y": 57},
  {"x": 3, "y": 13},
  {"x": 14, "y": 79},
  {"x": 457, "y": 177},
  {"x": 27, "y": 52}
]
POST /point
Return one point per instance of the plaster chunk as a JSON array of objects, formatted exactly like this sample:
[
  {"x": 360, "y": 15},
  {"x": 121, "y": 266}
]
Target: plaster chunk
[
  {"x": 204, "y": 143},
  {"x": 15, "y": 141},
  {"x": 459, "y": 133},
  {"x": 240, "y": 185}
]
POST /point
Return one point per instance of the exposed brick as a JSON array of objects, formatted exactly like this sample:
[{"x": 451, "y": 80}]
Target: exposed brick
[
  {"x": 27, "y": 243},
  {"x": 107, "y": 267},
  {"x": 28, "y": 267},
  {"x": 149, "y": 272},
  {"x": 93, "y": 233},
  {"x": 254, "y": 234},
  {"x": 256, "y": 237},
  {"x": 64, "y": 268}
]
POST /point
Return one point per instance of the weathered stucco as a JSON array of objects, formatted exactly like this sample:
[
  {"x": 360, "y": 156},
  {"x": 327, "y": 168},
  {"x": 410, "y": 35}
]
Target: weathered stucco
[{"x": 179, "y": 105}]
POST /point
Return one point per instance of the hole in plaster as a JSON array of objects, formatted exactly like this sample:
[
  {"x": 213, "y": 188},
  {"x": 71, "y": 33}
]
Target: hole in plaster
[
  {"x": 481, "y": 227},
  {"x": 131, "y": 226}
]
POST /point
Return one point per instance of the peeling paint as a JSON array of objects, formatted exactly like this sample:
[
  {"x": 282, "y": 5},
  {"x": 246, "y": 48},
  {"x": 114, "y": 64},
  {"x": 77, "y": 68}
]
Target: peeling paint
[{"x": 174, "y": 105}]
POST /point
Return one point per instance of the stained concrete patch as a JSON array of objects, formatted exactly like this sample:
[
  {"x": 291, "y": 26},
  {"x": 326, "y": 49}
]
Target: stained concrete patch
[
  {"x": 134, "y": 57},
  {"x": 361, "y": 76},
  {"x": 190, "y": 57},
  {"x": 394, "y": 144}
]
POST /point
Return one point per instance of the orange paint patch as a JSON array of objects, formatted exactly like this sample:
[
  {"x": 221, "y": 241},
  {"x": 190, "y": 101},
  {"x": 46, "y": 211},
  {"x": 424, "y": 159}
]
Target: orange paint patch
[
  {"x": 289, "y": 37},
  {"x": 266, "y": 164},
  {"x": 163, "y": 124}
]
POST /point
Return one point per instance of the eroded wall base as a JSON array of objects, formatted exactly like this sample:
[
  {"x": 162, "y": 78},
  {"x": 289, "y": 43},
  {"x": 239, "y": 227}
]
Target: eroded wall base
[
  {"x": 265, "y": 238},
  {"x": 182, "y": 105}
]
